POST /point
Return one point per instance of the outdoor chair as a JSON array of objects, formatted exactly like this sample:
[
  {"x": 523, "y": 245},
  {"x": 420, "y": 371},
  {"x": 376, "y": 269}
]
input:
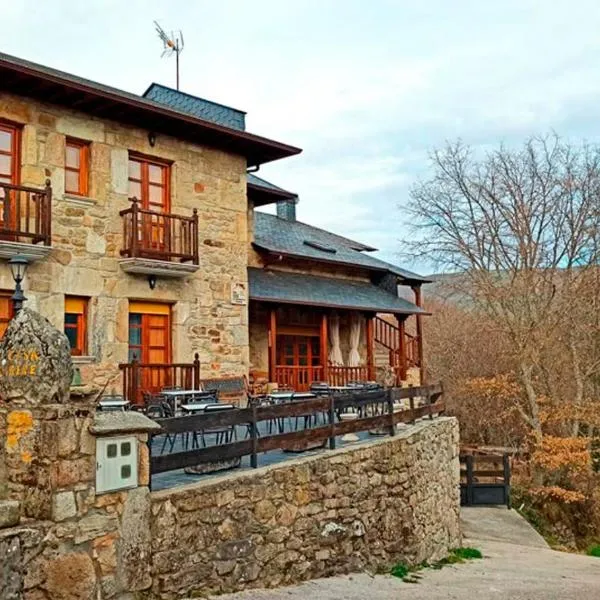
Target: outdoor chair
[{"x": 223, "y": 435}]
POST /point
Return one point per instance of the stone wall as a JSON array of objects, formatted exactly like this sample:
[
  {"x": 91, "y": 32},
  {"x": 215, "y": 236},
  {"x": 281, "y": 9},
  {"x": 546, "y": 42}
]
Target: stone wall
[
  {"x": 87, "y": 239},
  {"x": 362, "y": 507}
]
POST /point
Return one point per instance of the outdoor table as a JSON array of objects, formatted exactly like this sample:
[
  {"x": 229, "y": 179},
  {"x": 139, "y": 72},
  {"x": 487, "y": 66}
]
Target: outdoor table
[
  {"x": 176, "y": 397},
  {"x": 195, "y": 407},
  {"x": 106, "y": 405},
  {"x": 287, "y": 396}
]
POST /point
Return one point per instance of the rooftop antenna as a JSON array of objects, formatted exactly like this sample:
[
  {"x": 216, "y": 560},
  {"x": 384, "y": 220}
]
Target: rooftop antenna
[{"x": 173, "y": 44}]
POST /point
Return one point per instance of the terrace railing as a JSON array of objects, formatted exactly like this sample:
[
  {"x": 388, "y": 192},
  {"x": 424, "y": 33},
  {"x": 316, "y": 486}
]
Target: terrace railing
[
  {"x": 297, "y": 377},
  {"x": 26, "y": 214},
  {"x": 376, "y": 411},
  {"x": 159, "y": 236}
]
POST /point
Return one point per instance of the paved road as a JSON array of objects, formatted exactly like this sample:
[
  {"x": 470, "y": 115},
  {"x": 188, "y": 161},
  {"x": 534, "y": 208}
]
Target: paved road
[{"x": 517, "y": 565}]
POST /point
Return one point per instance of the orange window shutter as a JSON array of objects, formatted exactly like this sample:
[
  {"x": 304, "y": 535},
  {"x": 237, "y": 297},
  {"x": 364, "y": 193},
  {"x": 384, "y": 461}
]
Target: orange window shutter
[
  {"x": 149, "y": 308},
  {"x": 75, "y": 305}
]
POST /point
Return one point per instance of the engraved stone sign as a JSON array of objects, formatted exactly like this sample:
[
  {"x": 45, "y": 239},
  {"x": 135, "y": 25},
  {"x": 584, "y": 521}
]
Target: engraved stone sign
[{"x": 35, "y": 361}]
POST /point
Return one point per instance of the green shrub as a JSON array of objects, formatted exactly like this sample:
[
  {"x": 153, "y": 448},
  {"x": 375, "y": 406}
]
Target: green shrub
[
  {"x": 594, "y": 550},
  {"x": 400, "y": 570},
  {"x": 467, "y": 553}
]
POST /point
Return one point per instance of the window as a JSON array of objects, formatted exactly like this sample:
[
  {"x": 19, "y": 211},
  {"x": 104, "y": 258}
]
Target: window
[
  {"x": 76, "y": 167},
  {"x": 76, "y": 310},
  {"x": 9, "y": 153},
  {"x": 149, "y": 332},
  {"x": 149, "y": 183},
  {"x": 6, "y": 311}
]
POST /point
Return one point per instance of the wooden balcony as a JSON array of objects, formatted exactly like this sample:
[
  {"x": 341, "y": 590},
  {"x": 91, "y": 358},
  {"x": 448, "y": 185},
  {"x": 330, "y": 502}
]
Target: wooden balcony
[
  {"x": 159, "y": 243},
  {"x": 140, "y": 379},
  {"x": 25, "y": 221}
]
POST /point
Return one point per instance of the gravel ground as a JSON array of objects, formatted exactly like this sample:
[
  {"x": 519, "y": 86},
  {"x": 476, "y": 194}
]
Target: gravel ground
[{"x": 517, "y": 565}]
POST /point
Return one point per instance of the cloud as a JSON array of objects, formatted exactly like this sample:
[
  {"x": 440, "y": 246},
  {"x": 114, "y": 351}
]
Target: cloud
[{"x": 367, "y": 89}]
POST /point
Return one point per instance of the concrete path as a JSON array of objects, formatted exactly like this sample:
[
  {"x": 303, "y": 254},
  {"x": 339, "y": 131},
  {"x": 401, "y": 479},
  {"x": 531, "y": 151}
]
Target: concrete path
[{"x": 517, "y": 565}]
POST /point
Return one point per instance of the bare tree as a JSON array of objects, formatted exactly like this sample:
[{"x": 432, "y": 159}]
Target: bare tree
[{"x": 521, "y": 226}]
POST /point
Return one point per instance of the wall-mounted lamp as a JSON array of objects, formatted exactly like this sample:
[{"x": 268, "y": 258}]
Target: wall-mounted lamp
[
  {"x": 18, "y": 266},
  {"x": 152, "y": 281},
  {"x": 152, "y": 138}
]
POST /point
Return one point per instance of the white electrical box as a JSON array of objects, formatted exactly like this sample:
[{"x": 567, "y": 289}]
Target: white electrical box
[{"x": 116, "y": 463}]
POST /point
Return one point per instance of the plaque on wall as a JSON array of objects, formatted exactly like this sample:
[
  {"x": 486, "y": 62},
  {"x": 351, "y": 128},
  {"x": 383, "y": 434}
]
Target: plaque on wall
[{"x": 238, "y": 293}]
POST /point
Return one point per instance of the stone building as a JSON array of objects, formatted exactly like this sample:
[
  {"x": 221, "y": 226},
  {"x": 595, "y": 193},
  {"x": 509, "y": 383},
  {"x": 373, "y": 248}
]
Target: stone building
[{"x": 137, "y": 216}]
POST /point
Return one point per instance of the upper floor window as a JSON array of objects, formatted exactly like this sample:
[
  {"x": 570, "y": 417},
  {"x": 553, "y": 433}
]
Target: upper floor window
[
  {"x": 9, "y": 153},
  {"x": 149, "y": 183},
  {"x": 76, "y": 313},
  {"x": 76, "y": 167}
]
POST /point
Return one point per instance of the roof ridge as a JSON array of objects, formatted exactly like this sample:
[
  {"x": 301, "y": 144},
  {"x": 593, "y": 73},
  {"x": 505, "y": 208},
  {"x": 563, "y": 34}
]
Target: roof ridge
[{"x": 166, "y": 87}]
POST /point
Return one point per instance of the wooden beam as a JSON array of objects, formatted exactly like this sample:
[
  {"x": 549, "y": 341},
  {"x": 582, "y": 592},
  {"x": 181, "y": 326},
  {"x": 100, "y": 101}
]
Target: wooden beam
[
  {"x": 401, "y": 348},
  {"x": 370, "y": 347},
  {"x": 272, "y": 343},
  {"x": 419, "y": 302},
  {"x": 324, "y": 345}
]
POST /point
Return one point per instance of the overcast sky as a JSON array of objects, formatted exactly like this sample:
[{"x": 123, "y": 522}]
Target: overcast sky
[{"x": 366, "y": 88}]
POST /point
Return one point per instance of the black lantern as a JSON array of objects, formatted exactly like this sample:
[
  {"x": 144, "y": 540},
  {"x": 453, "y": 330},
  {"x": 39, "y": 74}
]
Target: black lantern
[{"x": 18, "y": 266}]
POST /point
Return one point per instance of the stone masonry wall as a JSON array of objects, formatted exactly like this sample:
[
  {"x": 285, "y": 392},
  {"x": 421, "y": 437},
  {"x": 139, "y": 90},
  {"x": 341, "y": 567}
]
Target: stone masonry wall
[
  {"x": 363, "y": 507},
  {"x": 87, "y": 239}
]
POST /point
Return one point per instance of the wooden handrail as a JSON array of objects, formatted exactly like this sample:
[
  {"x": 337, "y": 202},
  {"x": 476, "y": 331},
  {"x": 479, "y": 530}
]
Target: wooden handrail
[
  {"x": 158, "y": 235},
  {"x": 26, "y": 213}
]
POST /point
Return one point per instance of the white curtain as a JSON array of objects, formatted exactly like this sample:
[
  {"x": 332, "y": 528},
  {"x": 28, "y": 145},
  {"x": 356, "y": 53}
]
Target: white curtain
[
  {"x": 335, "y": 353},
  {"x": 355, "y": 328}
]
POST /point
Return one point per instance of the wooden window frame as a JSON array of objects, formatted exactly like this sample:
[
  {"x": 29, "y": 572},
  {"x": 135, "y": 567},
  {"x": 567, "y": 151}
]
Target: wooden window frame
[
  {"x": 83, "y": 172},
  {"x": 81, "y": 325},
  {"x": 144, "y": 180},
  {"x": 4, "y": 321},
  {"x": 15, "y": 152},
  {"x": 146, "y": 310}
]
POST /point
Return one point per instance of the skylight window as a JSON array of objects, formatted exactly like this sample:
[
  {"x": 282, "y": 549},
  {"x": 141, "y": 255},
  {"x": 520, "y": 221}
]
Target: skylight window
[{"x": 320, "y": 246}]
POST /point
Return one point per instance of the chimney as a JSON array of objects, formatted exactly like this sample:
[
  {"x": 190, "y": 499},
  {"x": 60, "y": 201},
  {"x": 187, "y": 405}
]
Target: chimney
[{"x": 286, "y": 209}]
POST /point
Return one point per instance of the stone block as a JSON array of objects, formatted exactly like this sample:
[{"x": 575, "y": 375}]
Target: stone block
[
  {"x": 10, "y": 513},
  {"x": 63, "y": 506},
  {"x": 11, "y": 568},
  {"x": 71, "y": 577}
]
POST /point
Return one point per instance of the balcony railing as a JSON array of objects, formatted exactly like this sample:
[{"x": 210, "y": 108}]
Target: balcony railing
[
  {"x": 140, "y": 379},
  {"x": 300, "y": 377},
  {"x": 159, "y": 236},
  {"x": 26, "y": 214}
]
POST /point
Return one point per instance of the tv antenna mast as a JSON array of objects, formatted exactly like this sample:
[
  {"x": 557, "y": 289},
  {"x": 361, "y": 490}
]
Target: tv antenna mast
[{"x": 173, "y": 44}]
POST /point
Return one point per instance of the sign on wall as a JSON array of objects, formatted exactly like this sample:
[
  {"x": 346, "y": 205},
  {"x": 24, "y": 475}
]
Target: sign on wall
[{"x": 238, "y": 293}]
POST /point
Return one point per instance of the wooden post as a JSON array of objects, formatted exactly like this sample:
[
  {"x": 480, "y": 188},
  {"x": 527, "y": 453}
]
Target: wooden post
[
  {"x": 506, "y": 465},
  {"x": 195, "y": 252},
  {"x": 134, "y": 228},
  {"x": 370, "y": 348},
  {"x": 324, "y": 346},
  {"x": 390, "y": 407},
  {"x": 272, "y": 345},
  {"x": 401, "y": 348},
  {"x": 411, "y": 401},
  {"x": 48, "y": 214},
  {"x": 254, "y": 435},
  {"x": 419, "y": 302},
  {"x": 196, "y": 371},
  {"x": 133, "y": 387},
  {"x": 332, "y": 421},
  {"x": 469, "y": 461}
]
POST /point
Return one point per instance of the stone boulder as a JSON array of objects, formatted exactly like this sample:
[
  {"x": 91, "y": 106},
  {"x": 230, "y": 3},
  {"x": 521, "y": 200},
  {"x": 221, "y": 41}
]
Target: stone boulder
[{"x": 35, "y": 361}]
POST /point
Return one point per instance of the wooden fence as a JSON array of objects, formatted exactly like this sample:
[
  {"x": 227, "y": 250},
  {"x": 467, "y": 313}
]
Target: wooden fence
[
  {"x": 375, "y": 411},
  {"x": 485, "y": 479}
]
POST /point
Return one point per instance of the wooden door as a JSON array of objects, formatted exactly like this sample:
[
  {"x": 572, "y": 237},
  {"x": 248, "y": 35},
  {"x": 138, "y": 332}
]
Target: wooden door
[
  {"x": 301, "y": 354},
  {"x": 150, "y": 344},
  {"x": 149, "y": 183},
  {"x": 9, "y": 173},
  {"x": 6, "y": 311}
]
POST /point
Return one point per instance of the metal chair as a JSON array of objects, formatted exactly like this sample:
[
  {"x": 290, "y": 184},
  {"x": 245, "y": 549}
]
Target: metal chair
[{"x": 222, "y": 434}]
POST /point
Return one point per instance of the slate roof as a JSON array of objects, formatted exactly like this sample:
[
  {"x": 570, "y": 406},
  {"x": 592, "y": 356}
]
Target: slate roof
[
  {"x": 268, "y": 187},
  {"x": 313, "y": 290},
  {"x": 198, "y": 107},
  {"x": 24, "y": 77},
  {"x": 288, "y": 238}
]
